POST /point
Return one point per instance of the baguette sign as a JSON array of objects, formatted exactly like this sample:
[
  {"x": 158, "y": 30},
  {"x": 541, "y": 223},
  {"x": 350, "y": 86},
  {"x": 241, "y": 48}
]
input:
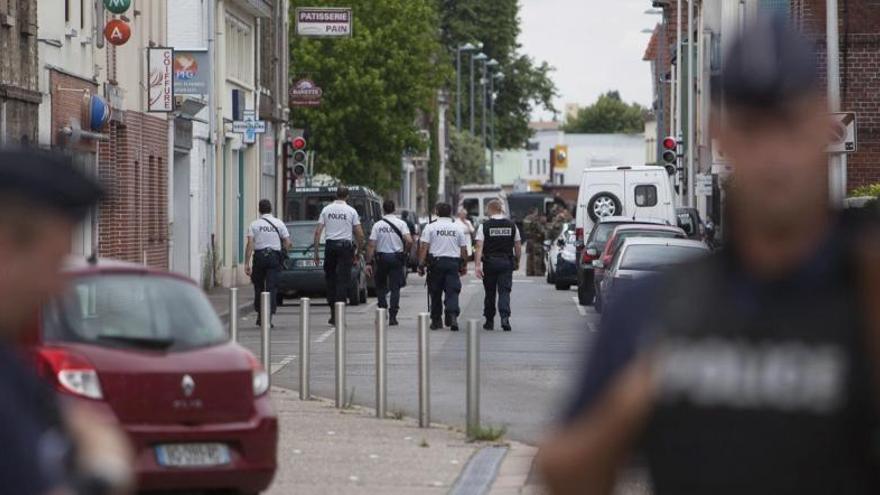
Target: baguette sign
[{"x": 323, "y": 21}]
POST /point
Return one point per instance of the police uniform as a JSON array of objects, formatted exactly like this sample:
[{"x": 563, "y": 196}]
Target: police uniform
[
  {"x": 390, "y": 260},
  {"x": 339, "y": 219},
  {"x": 268, "y": 234},
  {"x": 499, "y": 236},
  {"x": 445, "y": 239}
]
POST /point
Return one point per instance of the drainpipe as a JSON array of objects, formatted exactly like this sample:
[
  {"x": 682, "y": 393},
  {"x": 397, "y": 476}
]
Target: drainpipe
[{"x": 836, "y": 161}]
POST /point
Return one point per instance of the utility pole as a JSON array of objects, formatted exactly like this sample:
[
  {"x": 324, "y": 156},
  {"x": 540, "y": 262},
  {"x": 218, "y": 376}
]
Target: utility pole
[
  {"x": 691, "y": 148},
  {"x": 676, "y": 90},
  {"x": 836, "y": 161}
]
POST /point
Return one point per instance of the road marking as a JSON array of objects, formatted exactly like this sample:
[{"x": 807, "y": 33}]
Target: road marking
[
  {"x": 324, "y": 336},
  {"x": 582, "y": 310},
  {"x": 276, "y": 367}
]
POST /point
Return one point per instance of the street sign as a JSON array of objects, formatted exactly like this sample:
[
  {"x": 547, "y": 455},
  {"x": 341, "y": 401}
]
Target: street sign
[
  {"x": 117, "y": 32},
  {"x": 703, "y": 185},
  {"x": 305, "y": 93},
  {"x": 843, "y": 133},
  {"x": 323, "y": 21},
  {"x": 117, "y": 6},
  {"x": 160, "y": 82},
  {"x": 249, "y": 127},
  {"x": 192, "y": 72}
]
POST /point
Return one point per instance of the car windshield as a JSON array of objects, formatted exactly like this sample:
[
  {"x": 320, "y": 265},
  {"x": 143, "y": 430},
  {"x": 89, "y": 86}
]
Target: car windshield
[
  {"x": 657, "y": 257},
  {"x": 621, "y": 236},
  {"x": 303, "y": 235},
  {"x": 602, "y": 233},
  {"x": 138, "y": 311}
]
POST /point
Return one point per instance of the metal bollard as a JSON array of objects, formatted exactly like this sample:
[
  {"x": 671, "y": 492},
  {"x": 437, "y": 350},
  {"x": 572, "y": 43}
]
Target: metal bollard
[
  {"x": 473, "y": 378},
  {"x": 305, "y": 306},
  {"x": 233, "y": 314},
  {"x": 424, "y": 378},
  {"x": 265, "y": 321},
  {"x": 340, "y": 354},
  {"x": 381, "y": 348}
]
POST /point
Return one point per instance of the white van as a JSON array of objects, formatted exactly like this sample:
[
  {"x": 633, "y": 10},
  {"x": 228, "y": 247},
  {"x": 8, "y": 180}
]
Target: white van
[
  {"x": 641, "y": 192},
  {"x": 475, "y": 197}
]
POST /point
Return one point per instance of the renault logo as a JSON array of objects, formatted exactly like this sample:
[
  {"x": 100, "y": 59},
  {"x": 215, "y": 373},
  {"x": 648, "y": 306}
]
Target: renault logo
[{"x": 188, "y": 385}]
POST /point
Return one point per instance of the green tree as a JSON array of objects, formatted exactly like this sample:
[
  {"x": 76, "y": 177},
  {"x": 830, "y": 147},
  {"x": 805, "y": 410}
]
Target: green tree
[
  {"x": 607, "y": 116},
  {"x": 466, "y": 161},
  {"x": 375, "y": 85},
  {"x": 526, "y": 85}
]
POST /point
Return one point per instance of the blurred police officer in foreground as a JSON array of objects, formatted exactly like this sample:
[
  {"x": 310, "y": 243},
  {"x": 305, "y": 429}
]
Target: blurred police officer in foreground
[
  {"x": 752, "y": 371},
  {"x": 443, "y": 253},
  {"x": 389, "y": 242},
  {"x": 341, "y": 223},
  {"x": 265, "y": 239},
  {"x": 499, "y": 248},
  {"x": 47, "y": 446}
]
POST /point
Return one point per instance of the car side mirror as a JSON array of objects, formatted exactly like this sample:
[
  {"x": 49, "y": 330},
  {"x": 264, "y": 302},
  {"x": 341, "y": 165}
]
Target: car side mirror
[
  {"x": 598, "y": 264},
  {"x": 592, "y": 252}
]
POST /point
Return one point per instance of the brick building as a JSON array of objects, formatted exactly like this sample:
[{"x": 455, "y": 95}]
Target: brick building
[{"x": 19, "y": 90}]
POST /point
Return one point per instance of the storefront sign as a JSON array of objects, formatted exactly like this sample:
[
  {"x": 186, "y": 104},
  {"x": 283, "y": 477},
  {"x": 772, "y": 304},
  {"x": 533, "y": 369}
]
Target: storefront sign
[
  {"x": 192, "y": 73},
  {"x": 117, "y": 32},
  {"x": 305, "y": 93},
  {"x": 323, "y": 21},
  {"x": 160, "y": 80}
]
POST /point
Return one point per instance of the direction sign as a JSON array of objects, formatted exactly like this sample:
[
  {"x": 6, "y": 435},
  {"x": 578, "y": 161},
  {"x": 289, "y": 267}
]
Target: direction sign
[
  {"x": 843, "y": 133},
  {"x": 703, "y": 185},
  {"x": 249, "y": 127},
  {"x": 323, "y": 21}
]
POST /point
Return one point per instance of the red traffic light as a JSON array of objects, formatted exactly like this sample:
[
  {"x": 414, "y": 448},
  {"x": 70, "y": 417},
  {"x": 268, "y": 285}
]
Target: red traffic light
[
  {"x": 670, "y": 143},
  {"x": 299, "y": 143}
]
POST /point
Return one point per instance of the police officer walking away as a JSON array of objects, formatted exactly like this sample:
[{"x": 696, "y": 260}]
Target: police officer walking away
[
  {"x": 499, "y": 248},
  {"x": 341, "y": 222},
  {"x": 390, "y": 240},
  {"x": 445, "y": 243},
  {"x": 266, "y": 237}
]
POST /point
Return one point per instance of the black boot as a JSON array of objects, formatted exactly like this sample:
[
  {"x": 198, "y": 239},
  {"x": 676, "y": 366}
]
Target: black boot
[
  {"x": 392, "y": 319},
  {"x": 436, "y": 324},
  {"x": 332, "y": 321},
  {"x": 449, "y": 319},
  {"x": 453, "y": 324},
  {"x": 505, "y": 324},
  {"x": 489, "y": 325}
]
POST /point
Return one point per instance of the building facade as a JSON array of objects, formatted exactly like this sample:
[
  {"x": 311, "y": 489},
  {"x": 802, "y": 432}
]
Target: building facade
[{"x": 19, "y": 73}]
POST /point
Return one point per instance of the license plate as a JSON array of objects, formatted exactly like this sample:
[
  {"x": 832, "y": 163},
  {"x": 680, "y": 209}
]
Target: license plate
[
  {"x": 307, "y": 263},
  {"x": 193, "y": 455}
]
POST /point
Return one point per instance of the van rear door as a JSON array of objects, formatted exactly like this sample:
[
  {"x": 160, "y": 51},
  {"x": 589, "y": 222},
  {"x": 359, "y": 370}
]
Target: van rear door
[
  {"x": 647, "y": 194},
  {"x": 602, "y": 193}
]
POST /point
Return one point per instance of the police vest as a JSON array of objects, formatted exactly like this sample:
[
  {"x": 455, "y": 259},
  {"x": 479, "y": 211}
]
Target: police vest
[
  {"x": 764, "y": 391},
  {"x": 499, "y": 237}
]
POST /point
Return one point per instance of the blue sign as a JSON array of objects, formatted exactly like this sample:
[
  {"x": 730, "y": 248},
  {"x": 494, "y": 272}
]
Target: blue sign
[{"x": 99, "y": 113}]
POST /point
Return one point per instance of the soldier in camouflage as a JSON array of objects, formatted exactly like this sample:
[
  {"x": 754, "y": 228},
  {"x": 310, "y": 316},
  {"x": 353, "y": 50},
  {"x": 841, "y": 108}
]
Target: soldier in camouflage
[{"x": 535, "y": 227}]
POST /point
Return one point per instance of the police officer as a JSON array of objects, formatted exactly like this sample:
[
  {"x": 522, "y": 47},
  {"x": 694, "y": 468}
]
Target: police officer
[
  {"x": 265, "y": 239},
  {"x": 499, "y": 248},
  {"x": 390, "y": 240},
  {"x": 446, "y": 243},
  {"x": 49, "y": 445},
  {"x": 341, "y": 223}
]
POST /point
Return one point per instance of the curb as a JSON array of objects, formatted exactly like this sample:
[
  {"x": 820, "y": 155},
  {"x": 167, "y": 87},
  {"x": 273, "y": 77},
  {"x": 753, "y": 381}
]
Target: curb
[
  {"x": 515, "y": 470},
  {"x": 243, "y": 310}
]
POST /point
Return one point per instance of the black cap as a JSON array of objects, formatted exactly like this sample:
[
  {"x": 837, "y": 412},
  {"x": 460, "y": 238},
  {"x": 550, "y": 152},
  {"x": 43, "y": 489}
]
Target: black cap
[
  {"x": 47, "y": 180},
  {"x": 768, "y": 66}
]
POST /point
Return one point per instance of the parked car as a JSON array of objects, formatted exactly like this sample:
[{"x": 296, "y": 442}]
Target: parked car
[
  {"x": 147, "y": 348},
  {"x": 561, "y": 259},
  {"x": 593, "y": 247},
  {"x": 301, "y": 276},
  {"x": 639, "y": 257},
  {"x": 618, "y": 236}
]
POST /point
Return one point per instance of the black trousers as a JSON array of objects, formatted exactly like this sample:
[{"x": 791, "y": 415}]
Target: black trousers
[
  {"x": 338, "y": 262},
  {"x": 266, "y": 270},
  {"x": 497, "y": 278},
  {"x": 389, "y": 277},
  {"x": 445, "y": 280}
]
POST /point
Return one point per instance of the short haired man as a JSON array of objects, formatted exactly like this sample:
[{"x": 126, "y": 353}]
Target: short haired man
[
  {"x": 49, "y": 445},
  {"x": 446, "y": 243},
  {"x": 341, "y": 224},
  {"x": 499, "y": 248},
  {"x": 752, "y": 371},
  {"x": 265, "y": 238},
  {"x": 390, "y": 240}
]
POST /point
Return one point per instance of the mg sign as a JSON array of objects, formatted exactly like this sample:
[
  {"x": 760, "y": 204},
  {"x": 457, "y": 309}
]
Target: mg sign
[
  {"x": 305, "y": 93},
  {"x": 323, "y": 21},
  {"x": 117, "y": 6}
]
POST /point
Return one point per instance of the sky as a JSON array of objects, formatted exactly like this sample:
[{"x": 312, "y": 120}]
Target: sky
[{"x": 595, "y": 46}]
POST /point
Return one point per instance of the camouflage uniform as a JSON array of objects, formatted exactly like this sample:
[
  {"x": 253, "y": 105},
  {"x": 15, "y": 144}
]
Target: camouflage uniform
[{"x": 535, "y": 227}]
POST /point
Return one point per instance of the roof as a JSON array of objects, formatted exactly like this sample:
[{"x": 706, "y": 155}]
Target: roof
[
  {"x": 79, "y": 265},
  {"x": 636, "y": 168},
  {"x": 634, "y": 220},
  {"x": 662, "y": 241},
  {"x": 648, "y": 226},
  {"x": 653, "y": 43}
]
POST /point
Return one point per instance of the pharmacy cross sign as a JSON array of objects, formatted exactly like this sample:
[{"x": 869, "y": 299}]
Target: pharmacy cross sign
[{"x": 249, "y": 127}]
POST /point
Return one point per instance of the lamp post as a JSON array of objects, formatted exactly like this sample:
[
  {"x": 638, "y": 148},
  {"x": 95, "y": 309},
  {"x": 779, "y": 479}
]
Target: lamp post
[
  {"x": 497, "y": 77},
  {"x": 480, "y": 56},
  {"x": 467, "y": 47},
  {"x": 484, "y": 83}
]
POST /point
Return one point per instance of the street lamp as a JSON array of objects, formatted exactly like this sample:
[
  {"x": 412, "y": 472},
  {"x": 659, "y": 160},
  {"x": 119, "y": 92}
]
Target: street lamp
[
  {"x": 467, "y": 47},
  {"x": 498, "y": 76},
  {"x": 647, "y": 31},
  {"x": 480, "y": 56},
  {"x": 487, "y": 65}
]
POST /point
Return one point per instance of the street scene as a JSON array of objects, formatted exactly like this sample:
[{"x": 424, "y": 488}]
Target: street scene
[{"x": 465, "y": 247}]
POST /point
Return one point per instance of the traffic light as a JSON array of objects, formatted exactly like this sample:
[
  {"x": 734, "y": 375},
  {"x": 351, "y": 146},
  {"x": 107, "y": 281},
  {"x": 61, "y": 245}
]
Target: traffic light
[
  {"x": 670, "y": 155},
  {"x": 299, "y": 157}
]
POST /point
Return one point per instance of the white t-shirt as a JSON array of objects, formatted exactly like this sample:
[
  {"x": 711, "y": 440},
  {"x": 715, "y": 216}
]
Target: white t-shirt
[
  {"x": 445, "y": 238},
  {"x": 387, "y": 241},
  {"x": 264, "y": 235},
  {"x": 338, "y": 220},
  {"x": 480, "y": 237}
]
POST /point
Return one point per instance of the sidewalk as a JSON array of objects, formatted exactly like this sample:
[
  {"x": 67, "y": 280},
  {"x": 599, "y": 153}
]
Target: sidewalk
[
  {"x": 219, "y": 297},
  {"x": 323, "y": 450}
]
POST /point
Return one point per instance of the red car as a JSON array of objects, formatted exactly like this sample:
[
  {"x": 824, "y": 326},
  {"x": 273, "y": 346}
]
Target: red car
[{"x": 147, "y": 348}]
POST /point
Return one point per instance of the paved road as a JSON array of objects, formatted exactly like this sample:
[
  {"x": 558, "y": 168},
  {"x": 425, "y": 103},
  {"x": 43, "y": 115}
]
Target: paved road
[{"x": 525, "y": 373}]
